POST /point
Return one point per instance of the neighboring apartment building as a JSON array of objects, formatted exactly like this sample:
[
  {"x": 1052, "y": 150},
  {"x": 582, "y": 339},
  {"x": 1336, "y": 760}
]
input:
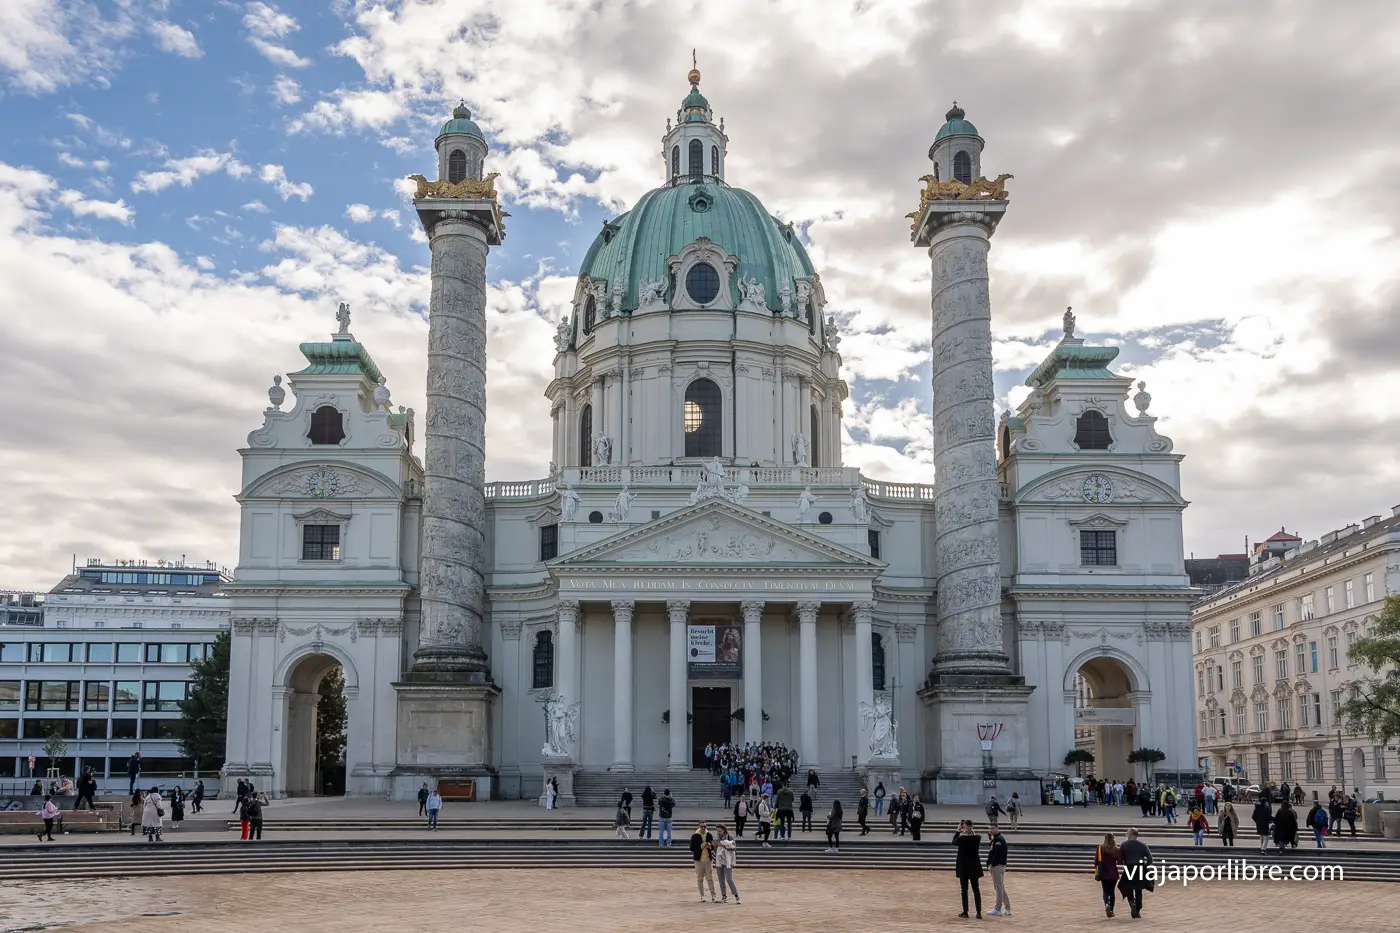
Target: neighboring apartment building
[
  {"x": 21, "y": 607},
  {"x": 108, "y": 669},
  {"x": 1273, "y": 659}
]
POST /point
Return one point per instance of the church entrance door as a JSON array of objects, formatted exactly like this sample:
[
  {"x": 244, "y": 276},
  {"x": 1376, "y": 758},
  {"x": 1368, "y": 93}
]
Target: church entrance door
[{"x": 709, "y": 721}]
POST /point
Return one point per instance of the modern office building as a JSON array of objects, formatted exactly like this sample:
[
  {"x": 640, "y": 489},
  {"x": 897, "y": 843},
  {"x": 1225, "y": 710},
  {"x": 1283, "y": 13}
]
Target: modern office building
[
  {"x": 108, "y": 669},
  {"x": 21, "y": 607},
  {"x": 1273, "y": 659}
]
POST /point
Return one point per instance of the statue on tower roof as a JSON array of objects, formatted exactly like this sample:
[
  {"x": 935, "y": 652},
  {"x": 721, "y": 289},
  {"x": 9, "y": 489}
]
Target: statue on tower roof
[
  {"x": 342, "y": 316},
  {"x": 1069, "y": 323}
]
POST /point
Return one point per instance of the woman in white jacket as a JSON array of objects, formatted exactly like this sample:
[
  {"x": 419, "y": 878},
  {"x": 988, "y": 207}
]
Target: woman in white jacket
[
  {"x": 151, "y": 813},
  {"x": 725, "y": 849}
]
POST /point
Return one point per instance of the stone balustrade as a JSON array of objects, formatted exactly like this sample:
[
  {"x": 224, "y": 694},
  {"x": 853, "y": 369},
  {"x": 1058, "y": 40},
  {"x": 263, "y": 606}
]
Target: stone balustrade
[{"x": 689, "y": 476}]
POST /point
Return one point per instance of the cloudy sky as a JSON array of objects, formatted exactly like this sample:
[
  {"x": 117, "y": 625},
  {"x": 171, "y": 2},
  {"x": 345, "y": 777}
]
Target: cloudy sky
[{"x": 187, "y": 188}]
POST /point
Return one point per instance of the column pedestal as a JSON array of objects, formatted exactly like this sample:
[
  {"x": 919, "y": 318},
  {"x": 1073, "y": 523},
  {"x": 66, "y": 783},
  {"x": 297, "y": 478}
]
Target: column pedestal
[
  {"x": 444, "y": 733},
  {"x": 561, "y": 770}
]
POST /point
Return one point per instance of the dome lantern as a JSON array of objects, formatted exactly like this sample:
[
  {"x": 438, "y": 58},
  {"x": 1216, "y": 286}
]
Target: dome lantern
[
  {"x": 694, "y": 149},
  {"x": 956, "y": 152},
  {"x": 461, "y": 147}
]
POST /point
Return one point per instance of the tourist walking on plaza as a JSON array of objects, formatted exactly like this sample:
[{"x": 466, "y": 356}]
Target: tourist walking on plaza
[
  {"x": 1210, "y": 795},
  {"x": 197, "y": 798},
  {"x": 833, "y": 828},
  {"x": 648, "y": 812},
  {"x": 434, "y": 807},
  {"x": 1229, "y": 824},
  {"x": 702, "y": 846},
  {"x": 549, "y": 794},
  {"x": 903, "y": 804},
  {"x": 665, "y": 809},
  {"x": 996, "y": 865},
  {"x": 741, "y": 815},
  {"x": 133, "y": 772},
  {"x": 177, "y": 807},
  {"x": 242, "y": 792},
  {"x": 765, "y": 821},
  {"x": 1106, "y": 859},
  {"x": 994, "y": 810},
  {"x": 916, "y": 818},
  {"x": 1263, "y": 818},
  {"x": 813, "y": 782},
  {"x": 725, "y": 851},
  {"x": 1285, "y": 827},
  {"x": 151, "y": 813},
  {"x": 423, "y": 799},
  {"x": 784, "y": 812},
  {"x": 138, "y": 800},
  {"x": 625, "y": 802},
  {"x": 86, "y": 787},
  {"x": 968, "y": 865},
  {"x": 48, "y": 813},
  {"x": 1349, "y": 814},
  {"x": 862, "y": 811},
  {"x": 1013, "y": 810},
  {"x": 620, "y": 821},
  {"x": 805, "y": 808},
  {"x": 1169, "y": 804},
  {"x": 879, "y": 796},
  {"x": 1199, "y": 826},
  {"x": 255, "y": 806},
  {"x": 1317, "y": 822},
  {"x": 1135, "y": 857}
]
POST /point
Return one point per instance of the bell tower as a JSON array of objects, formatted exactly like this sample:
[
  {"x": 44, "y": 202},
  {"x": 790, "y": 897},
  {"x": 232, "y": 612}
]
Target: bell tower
[
  {"x": 956, "y": 152},
  {"x": 695, "y": 148}
]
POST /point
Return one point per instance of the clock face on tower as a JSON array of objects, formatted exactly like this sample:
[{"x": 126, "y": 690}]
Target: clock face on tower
[
  {"x": 322, "y": 484},
  {"x": 1098, "y": 488}
]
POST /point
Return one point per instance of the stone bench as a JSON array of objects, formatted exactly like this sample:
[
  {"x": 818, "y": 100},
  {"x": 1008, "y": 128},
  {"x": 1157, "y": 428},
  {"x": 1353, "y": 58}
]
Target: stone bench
[{"x": 107, "y": 818}]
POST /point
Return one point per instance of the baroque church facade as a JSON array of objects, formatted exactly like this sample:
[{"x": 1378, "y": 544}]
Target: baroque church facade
[{"x": 699, "y": 566}]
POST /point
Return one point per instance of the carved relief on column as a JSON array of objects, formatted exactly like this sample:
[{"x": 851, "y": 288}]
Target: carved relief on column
[
  {"x": 623, "y": 610},
  {"x": 454, "y": 505},
  {"x": 862, "y": 612},
  {"x": 568, "y": 614},
  {"x": 678, "y": 610},
  {"x": 807, "y": 612},
  {"x": 752, "y": 610},
  {"x": 967, "y": 545}
]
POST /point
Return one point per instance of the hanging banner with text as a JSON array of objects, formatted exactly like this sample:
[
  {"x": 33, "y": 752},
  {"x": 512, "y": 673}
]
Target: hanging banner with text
[
  {"x": 714, "y": 652},
  {"x": 1105, "y": 716}
]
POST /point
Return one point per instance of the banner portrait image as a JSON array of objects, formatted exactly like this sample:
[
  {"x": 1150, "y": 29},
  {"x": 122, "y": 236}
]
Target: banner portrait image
[{"x": 714, "y": 652}]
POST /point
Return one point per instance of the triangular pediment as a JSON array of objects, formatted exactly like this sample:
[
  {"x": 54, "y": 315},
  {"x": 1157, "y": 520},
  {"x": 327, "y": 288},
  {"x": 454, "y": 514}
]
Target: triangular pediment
[{"x": 715, "y": 533}]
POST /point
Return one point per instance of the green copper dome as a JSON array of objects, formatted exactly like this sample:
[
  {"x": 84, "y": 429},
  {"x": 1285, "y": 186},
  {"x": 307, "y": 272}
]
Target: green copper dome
[
  {"x": 695, "y": 101},
  {"x": 634, "y": 248},
  {"x": 461, "y": 124},
  {"x": 956, "y": 125}
]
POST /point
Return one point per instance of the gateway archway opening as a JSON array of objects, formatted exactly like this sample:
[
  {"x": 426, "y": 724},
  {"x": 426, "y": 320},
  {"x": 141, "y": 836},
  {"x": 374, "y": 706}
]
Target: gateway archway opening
[
  {"x": 1105, "y": 719},
  {"x": 316, "y": 719}
]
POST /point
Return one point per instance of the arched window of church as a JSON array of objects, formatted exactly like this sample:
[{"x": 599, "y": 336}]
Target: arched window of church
[
  {"x": 936, "y": 176},
  {"x": 456, "y": 166},
  {"x": 697, "y": 158},
  {"x": 590, "y": 314},
  {"x": 543, "y": 661},
  {"x": 877, "y": 661},
  {"x": 962, "y": 168},
  {"x": 1005, "y": 442},
  {"x": 675, "y": 160},
  {"x": 814, "y": 442},
  {"x": 1091, "y": 431},
  {"x": 327, "y": 426},
  {"x": 703, "y": 420},
  {"x": 585, "y": 436},
  {"x": 714, "y": 161}
]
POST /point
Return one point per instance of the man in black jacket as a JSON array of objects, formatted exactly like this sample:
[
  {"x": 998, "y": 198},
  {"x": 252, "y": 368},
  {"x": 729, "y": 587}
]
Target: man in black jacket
[
  {"x": 133, "y": 772},
  {"x": 996, "y": 864},
  {"x": 665, "y": 807},
  {"x": 1136, "y": 858},
  {"x": 702, "y": 846},
  {"x": 648, "y": 811},
  {"x": 86, "y": 787}
]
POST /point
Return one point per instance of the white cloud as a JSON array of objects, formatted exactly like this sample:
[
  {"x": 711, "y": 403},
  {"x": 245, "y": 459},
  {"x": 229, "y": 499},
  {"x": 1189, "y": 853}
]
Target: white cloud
[
  {"x": 176, "y": 39},
  {"x": 204, "y": 262},
  {"x": 276, "y": 176},
  {"x": 278, "y": 54},
  {"x": 284, "y": 90},
  {"x": 105, "y": 210},
  {"x": 48, "y": 44},
  {"x": 256, "y": 207},
  {"x": 70, "y": 160},
  {"x": 266, "y": 23},
  {"x": 360, "y": 213},
  {"x": 184, "y": 171}
]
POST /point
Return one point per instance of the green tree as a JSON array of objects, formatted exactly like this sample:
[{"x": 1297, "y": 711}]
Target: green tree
[
  {"x": 1078, "y": 755},
  {"x": 1373, "y": 707},
  {"x": 331, "y": 717},
  {"x": 1147, "y": 756},
  {"x": 54, "y": 747},
  {"x": 203, "y": 729}
]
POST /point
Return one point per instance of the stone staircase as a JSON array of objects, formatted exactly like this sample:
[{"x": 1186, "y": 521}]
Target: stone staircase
[{"x": 701, "y": 788}]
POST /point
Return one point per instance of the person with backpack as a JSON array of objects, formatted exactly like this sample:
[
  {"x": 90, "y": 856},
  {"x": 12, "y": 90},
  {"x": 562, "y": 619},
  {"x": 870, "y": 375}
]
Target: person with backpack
[
  {"x": 1199, "y": 825},
  {"x": 994, "y": 810},
  {"x": 1169, "y": 805},
  {"x": 805, "y": 808},
  {"x": 253, "y": 814},
  {"x": 665, "y": 812},
  {"x": 879, "y": 796},
  {"x": 242, "y": 791},
  {"x": 1349, "y": 814},
  {"x": 1106, "y": 859},
  {"x": 1317, "y": 822},
  {"x": 1013, "y": 810}
]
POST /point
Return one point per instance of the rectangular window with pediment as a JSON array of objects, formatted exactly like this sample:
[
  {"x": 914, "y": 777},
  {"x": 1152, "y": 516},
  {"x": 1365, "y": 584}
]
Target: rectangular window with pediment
[
  {"x": 1241, "y": 719},
  {"x": 1256, "y": 625},
  {"x": 1278, "y": 618},
  {"x": 1259, "y": 669},
  {"x": 1237, "y": 675},
  {"x": 320, "y": 542},
  {"x": 1280, "y": 664},
  {"x": 1285, "y": 714},
  {"x": 1098, "y": 548},
  {"x": 1234, "y": 630}
]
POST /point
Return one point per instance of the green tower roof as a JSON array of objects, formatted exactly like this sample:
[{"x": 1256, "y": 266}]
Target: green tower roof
[
  {"x": 1075, "y": 361},
  {"x": 461, "y": 124},
  {"x": 338, "y": 357},
  {"x": 956, "y": 125}
]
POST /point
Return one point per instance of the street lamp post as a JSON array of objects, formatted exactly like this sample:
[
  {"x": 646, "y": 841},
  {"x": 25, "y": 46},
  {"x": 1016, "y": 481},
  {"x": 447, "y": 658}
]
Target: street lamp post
[{"x": 1341, "y": 763}]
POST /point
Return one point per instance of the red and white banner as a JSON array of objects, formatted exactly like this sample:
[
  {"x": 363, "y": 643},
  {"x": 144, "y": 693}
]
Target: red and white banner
[{"x": 988, "y": 732}]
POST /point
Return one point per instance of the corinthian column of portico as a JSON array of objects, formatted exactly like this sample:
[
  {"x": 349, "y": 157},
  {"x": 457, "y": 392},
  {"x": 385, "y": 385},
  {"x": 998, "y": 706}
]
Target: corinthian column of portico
[
  {"x": 807, "y": 681},
  {"x": 678, "y": 612},
  {"x": 753, "y": 671},
  {"x": 454, "y": 504},
  {"x": 967, "y": 546},
  {"x": 622, "y": 684},
  {"x": 861, "y": 615},
  {"x": 566, "y": 665}
]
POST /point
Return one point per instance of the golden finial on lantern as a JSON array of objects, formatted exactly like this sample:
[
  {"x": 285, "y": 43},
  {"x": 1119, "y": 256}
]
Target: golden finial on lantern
[{"x": 694, "y": 76}]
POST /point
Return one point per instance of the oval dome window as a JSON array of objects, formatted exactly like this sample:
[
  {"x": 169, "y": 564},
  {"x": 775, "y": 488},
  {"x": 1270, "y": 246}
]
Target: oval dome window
[{"x": 702, "y": 283}]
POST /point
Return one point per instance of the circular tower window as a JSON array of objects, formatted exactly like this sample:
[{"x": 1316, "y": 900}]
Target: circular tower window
[
  {"x": 702, "y": 283},
  {"x": 824, "y": 518}
]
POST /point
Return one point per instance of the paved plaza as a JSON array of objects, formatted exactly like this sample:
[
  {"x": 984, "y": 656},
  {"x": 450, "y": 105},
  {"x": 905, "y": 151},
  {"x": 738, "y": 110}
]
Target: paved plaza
[{"x": 582, "y": 901}]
